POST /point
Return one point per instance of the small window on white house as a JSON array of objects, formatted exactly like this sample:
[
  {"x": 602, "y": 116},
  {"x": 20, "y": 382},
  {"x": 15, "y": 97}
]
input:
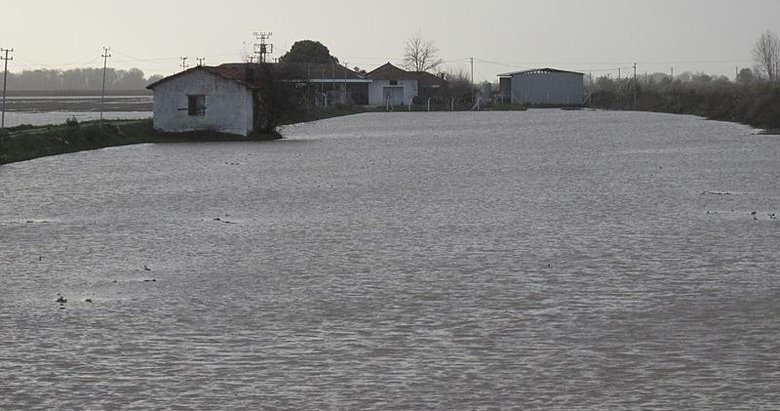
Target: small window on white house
[
  {"x": 196, "y": 105},
  {"x": 393, "y": 82}
]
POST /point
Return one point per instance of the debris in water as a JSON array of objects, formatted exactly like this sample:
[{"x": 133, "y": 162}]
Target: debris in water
[{"x": 147, "y": 268}]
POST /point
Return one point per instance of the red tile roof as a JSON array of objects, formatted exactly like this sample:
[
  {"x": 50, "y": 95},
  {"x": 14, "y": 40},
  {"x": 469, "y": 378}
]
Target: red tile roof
[
  {"x": 246, "y": 73},
  {"x": 391, "y": 72},
  {"x": 234, "y": 72}
]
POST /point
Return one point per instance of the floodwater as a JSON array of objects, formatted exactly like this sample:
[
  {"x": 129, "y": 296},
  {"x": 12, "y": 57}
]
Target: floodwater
[
  {"x": 46, "y": 110},
  {"x": 524, "y": 260}
]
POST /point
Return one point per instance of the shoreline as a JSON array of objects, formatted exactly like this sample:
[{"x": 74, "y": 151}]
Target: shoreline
[
  {"x": 757, "y": 106},
  {"x": 25, "y": 142}
]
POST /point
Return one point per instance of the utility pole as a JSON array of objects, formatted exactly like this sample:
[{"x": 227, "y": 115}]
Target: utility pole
[
  {"x": 105, "y": 56},
  {"x": 473, "y": 95},
  {"x": 672, "y": 73},
  {"x": 5, "y": 81},
  {"x": 619, "y": 73},
  {"x": 263, "y": 49},
  {"x": 183, "y": 63},
  {"x": 635, "y": 85},
  {"x": 200, "y": 60},
  {"x": 344, "y": 97}
]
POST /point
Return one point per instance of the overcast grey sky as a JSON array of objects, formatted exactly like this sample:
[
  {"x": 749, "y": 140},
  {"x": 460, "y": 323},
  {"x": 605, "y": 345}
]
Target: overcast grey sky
[{"x": 713, "y": 36}]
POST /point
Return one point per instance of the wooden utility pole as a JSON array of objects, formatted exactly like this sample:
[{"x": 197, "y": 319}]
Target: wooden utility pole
[
  {"x": 473, "y": 94},
  {"x": 5, "y": 81},
  {"x": 105, "y": 56},
  {"x": 635, "y": 85},
  {"x": 344, "y": 97}
]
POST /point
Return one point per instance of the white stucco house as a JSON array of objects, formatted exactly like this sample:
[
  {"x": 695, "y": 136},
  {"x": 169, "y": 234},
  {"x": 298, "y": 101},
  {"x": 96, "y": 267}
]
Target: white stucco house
[
  {"x": 228, "y": 98},
  {"x": 391, "y": 85},
  {"x": 223, "y": 98}
]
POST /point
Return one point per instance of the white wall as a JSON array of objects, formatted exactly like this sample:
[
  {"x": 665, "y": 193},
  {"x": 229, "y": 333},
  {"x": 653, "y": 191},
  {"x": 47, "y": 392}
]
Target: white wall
[
  {"x": 228, "y": 104},
  {"x": 376, "y": 91}
]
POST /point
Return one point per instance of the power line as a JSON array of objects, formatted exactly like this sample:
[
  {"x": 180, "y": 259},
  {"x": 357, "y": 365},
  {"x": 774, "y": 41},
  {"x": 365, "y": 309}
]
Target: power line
[{"x": 263, "y": 49}]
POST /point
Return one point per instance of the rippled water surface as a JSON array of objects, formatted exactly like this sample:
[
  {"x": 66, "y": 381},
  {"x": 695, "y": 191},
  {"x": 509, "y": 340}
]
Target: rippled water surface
[{"x": 535, "y": 260}]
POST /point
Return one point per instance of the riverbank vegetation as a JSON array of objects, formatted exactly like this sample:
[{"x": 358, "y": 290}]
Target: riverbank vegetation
[
  {"x": 753, "y": 98},
  {"x": 755, "y": 103}
]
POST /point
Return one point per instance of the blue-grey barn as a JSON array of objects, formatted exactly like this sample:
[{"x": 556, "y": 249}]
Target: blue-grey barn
[{"x": 544, "y": 86}]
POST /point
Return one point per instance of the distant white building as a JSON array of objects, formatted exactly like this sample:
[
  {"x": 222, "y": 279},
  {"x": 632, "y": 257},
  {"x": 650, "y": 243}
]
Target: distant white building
[
  {"x": 395, "y": 86},
  {"x": 545, "y": 86},
  {"x": 223, "y": 99},
  {"x": 228, "y": 98},
  {"x": 391, "y": 85}
]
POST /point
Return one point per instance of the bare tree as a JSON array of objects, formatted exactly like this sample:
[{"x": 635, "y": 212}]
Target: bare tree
[
  {"x": 767, "y": 55},
  {"x": 420, "y": 54}
]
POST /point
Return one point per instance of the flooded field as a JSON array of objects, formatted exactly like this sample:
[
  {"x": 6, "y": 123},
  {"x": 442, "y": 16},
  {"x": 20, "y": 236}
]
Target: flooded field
[
  {"x": 522, "y": 260},
  {"x": 44, "y": 110}
]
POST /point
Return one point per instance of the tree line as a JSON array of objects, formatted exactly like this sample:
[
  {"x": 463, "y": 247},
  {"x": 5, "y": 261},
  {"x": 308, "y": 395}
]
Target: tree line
[
  {"x": 752, "y": 98},
  {"x": 79, "y": 79}
]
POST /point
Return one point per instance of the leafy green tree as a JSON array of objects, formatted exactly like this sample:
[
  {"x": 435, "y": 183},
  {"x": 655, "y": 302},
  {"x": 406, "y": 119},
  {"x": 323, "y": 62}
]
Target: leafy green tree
[
  {"x": 308, "y": 51},
  {"x": 746, "y": 76}
]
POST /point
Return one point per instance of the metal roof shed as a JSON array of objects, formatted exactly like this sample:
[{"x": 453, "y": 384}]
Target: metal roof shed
[{"x": 543, "y": 87}]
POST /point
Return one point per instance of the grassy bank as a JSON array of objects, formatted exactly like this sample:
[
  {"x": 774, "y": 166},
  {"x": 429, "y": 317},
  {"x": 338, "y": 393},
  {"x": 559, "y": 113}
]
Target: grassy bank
[
  {"x": 755, "y": 105},
  {"x": 27, "y": 142}
]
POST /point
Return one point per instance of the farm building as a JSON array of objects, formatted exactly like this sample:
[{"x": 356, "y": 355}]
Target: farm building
[
  {"x": 331, "y": 83},
  {"x": 395, "y": 86},
  {"x": 228, "y": 98},
  {"x": 224, "y": 98},
  {"x": 545, "y": 86}
]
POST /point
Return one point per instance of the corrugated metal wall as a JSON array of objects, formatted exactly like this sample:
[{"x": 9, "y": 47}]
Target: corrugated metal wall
[{"x": 548, "y": 88}]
